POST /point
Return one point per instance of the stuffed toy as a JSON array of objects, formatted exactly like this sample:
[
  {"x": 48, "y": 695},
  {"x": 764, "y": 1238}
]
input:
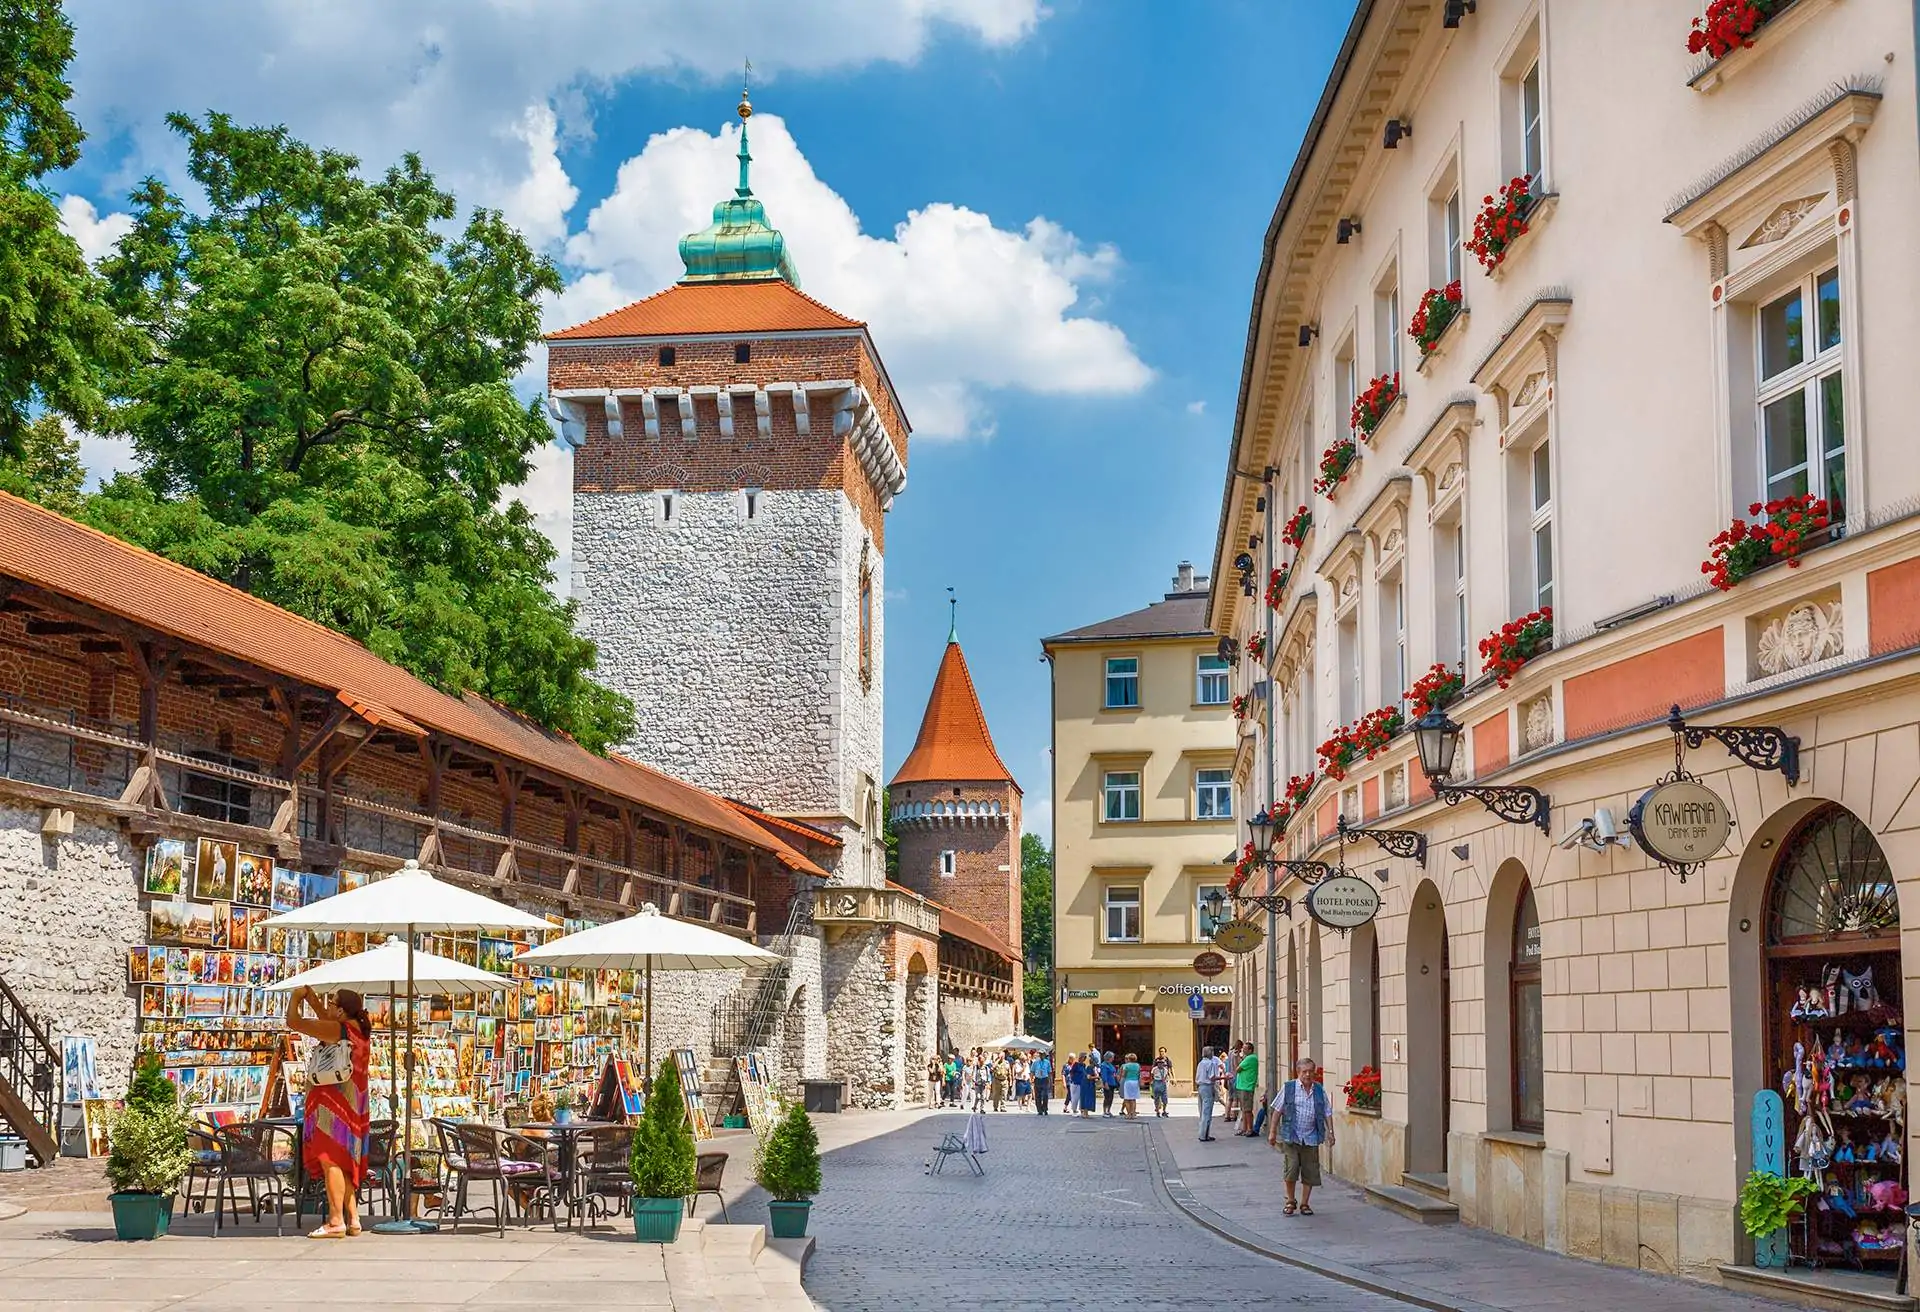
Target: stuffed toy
[{"x": 1858, "y": 991}]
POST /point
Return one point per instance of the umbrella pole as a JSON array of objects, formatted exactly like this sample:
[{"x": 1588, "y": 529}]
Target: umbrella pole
[
  {"x": 405, "y": 1224},
  {"x": 646, "y": 1081}
]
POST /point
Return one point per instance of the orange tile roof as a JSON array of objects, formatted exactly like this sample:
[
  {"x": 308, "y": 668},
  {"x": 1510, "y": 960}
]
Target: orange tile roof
[
  {"x": 954, "y": 743},
  {"x": 963, "y": 926},
  {"x": 777, "y": 828},
  {"x": 713, "y": 307},
  {"x": 52, "y": 552}
]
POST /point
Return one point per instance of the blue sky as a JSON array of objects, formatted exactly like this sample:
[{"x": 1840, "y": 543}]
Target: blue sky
[{"x": 1076, "y": 193}]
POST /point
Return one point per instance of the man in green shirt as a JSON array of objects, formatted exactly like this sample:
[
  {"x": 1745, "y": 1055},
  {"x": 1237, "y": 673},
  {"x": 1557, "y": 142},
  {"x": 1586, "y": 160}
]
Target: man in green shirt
[{"x": 1246, "y": 1079}]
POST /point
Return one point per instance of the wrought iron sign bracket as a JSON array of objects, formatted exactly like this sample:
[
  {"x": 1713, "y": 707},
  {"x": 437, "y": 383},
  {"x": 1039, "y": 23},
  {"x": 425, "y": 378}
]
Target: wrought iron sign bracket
[
  {"x": 1278, "y": 904},
  {"x": 1409, "y": 844},
  {"x": 1763, "y": 747},
  {"x": 1520, "y": 804}
]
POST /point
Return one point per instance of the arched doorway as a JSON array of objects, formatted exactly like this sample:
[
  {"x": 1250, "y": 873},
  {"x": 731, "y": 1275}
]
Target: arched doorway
[
  {"x": 1835, "y": 1030},
  {"x": 1429, "y": 1034}
]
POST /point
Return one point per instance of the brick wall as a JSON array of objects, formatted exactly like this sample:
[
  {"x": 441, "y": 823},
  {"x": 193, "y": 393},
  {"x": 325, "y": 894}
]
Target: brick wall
[{"x": 986, "y": 880}]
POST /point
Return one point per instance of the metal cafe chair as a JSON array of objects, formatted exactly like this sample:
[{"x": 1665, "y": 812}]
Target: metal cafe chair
[
  {"x": 502, "y": 1160},
  {"x": 203, "y": 1168},
  {"x": 248, "y": 1153},
  {"x": 382, "y": 1174},
  {"x": 602, "y": 1177},
  {"x": 709, "y": 1168}
]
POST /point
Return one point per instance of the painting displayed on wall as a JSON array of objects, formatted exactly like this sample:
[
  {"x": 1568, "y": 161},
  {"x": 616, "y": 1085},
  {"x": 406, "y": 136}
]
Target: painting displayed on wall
[
  {"x": 79, "y": 1082},
  {"x": 214, "y": 870},
  {"x": 352, "y": 879},
  {"x": 286, "y": 890},
  {"x": 255, "y": 882},
  {"x": 98, "y": 1114},
  {"x": 137, "y": 965},
  {"x": 496, "y": 954},
  {"x": 176, "y": 920},
  {"x": 314, "y": 887},
  {"x": 222, "y": 925},
  {"x": 167, "y": 867}
]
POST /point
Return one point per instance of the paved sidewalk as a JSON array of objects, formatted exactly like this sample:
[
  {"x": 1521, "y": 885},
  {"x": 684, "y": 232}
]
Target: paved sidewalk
[{"x": 1233, "y": 1187}]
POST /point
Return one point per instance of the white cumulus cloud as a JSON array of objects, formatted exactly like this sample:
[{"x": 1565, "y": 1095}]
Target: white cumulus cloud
[
  {"x": 959, "y": 306},
  {"x": 95, "y": 233},
  {"x": 1196, "y": 407}
]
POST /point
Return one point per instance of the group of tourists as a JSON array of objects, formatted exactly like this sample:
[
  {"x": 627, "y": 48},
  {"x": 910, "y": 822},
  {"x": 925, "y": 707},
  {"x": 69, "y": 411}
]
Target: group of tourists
[
  {"x": 1095, "y": 1077},
  {"x": 981, "y": 1081}
]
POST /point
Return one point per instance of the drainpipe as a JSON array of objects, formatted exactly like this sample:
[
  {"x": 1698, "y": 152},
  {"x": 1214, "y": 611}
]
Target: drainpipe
[{"x": 1270, "y": 1066}]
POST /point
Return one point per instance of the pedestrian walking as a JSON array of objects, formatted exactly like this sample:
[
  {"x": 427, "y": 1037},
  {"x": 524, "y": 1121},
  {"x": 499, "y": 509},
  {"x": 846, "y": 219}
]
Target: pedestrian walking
[
  {"x": 1089, "y": 1082},
  {"x": 934, "y": 1079},
  {"x": 1246, "y": 1080},
  {"x": 1109, "y": 1083},
  {"x": 1042, "y": 1073},
  {"x": 997, "y": 1080},
  {"x": 1162, "y": 1077},
  {"x": 1229, "y": 1067},
  {"x": 1130, "y": 1087},
  {"x": 1301, "y": 1119},
  {"x": 1206, "y": 1084},
  {"x": 1022, "y": 1082},
  {"x": 951, "y": 1089}
]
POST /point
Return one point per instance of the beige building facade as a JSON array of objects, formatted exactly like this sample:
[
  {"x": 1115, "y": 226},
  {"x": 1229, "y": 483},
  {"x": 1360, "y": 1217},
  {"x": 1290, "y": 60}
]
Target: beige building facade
[
  {"x": 1696, "y": 311},
  {"x": 1143, "y": 813}
]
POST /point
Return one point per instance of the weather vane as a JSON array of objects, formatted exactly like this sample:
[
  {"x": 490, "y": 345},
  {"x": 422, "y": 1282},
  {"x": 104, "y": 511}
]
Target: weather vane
[{"x": 953, "y": 616}]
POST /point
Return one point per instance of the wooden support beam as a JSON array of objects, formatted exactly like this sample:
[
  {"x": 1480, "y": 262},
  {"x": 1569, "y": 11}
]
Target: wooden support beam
[{"x": 57, "y": 628}]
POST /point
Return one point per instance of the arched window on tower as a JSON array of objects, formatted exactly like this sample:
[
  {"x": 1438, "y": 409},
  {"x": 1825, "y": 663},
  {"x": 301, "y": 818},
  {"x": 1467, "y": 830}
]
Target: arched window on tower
[{"x": 866, "y": 624}]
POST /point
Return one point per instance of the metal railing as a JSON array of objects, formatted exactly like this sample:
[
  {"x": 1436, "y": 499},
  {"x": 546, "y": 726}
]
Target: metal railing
[
  {"x": 745, "y": 1019},
  {"x": 29, "y": 1067}
]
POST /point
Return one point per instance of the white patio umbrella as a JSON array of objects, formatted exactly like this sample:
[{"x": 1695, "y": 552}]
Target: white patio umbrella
[
  {"x": 392, "y": 966},
  {"x": 406, "y": 902},
  {"x": 1019, "y": 1043},
  {"x": 648, "y": 941}
]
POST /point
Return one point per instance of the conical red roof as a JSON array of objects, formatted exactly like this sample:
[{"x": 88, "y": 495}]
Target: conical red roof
[{"x": 954, "y": 744}]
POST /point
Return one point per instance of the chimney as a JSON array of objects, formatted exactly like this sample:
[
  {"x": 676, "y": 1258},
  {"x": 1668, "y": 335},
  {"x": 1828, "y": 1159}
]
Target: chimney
[{"x": 1183, "y": 580}]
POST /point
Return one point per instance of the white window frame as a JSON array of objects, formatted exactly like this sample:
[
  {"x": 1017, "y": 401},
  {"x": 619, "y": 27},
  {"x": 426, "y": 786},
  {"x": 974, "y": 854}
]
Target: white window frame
[
  {"x": 1521, "y": 60},
  {"x": 1386, "y": 323},
  {"x": 1808, "y": 378},
  {"x": 1215, "y": 792},
  {"x": 1220, "y": 674},
  {"x": 1393, "y": 633},
  {"x": 1457, "y": 551},
  {"x": 1114, "y": 791},
  {"x": 1346, "y": 389},
  {"x": 1131, "y": 677},
  {"x": 1201, "y": 932},
  {"x": 1349, "y": 668},
  {"x": 1540, "y": 523},
  {"x": 1121, "y": 898},
  {"x": 1531, "y": 138},
  {"x": 948, "y": 861},
  {"x": 1450, "y": 238}
]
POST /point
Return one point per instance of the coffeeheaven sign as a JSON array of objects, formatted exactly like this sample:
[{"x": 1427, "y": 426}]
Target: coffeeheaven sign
[
  {"x": 1681, "y": 822},
  {"x": 1343, "y": 902}
]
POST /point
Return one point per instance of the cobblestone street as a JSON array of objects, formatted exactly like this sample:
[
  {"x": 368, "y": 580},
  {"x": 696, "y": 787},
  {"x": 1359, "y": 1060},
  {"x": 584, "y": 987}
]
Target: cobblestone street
[{"x": 1067, "y": 1213}]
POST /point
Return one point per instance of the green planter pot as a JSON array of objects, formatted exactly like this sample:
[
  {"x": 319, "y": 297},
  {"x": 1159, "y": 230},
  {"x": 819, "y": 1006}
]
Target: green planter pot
[
  {"x": 141, "y": 1216},
  {"x": 657, "y": 1220},
  {"x": 790, "y": 1219}
]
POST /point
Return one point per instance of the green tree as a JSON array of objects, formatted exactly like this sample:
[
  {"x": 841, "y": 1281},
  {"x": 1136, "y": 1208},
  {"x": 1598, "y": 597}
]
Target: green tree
[
  {"x": 58, "y": 338},
  {"x": 661, "y": 1160},
  {"x": 890, "y": 836},
  {"x": 46, "y": 467},
  {"x": 1036, "y": 934},
  {"x": 330, "y": 422}
]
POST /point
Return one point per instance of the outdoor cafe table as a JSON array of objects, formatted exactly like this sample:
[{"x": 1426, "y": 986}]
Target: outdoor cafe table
[{"x": 567, "y": 1138}]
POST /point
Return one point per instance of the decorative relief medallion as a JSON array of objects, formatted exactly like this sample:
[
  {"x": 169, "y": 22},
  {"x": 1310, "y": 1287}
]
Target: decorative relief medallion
[
  {"x": 1450, "y": 478},
  {"x": 1805, "y": 634},
  {"x": 1349, "y": 585},
  {"x": 1394, "y": 542},
  {"x": 1530, "y": 389},
  {"x": 1397, "y": 787},
  {"x": 1537, "y": 728},
  {"x": 1782, "y": 221}
]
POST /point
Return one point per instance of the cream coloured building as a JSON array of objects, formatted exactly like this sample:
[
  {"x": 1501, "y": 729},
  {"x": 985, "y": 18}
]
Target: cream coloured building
[
  {"x": 1143, "y": 815},
  {"x": 1712, "y": 305}
]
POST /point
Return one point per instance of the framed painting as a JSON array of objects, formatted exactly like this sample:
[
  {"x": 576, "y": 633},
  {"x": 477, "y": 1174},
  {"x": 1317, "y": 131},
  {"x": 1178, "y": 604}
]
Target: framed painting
[
  {"x": 215, "y": 870},
  {"x": 254, "y": 885},
  {"x": 167, "y": 867}
]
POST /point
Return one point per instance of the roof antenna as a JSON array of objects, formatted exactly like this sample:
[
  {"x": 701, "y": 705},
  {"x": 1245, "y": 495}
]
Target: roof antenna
[{"x": 953, "y": 616}]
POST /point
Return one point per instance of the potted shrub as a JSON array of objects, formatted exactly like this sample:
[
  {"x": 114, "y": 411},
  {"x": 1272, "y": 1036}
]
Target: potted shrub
[
  {"x": 563, "y": 1102},
  {"x": 1515, "y": 643},
  {"x": 789, "y": 1170},
  {"x": 1768, "y": 1202},
  {"x": 149, "y": 1157},
  {"x": 1363, "y": 1090},
  {"x": 662, "y": 1162}
]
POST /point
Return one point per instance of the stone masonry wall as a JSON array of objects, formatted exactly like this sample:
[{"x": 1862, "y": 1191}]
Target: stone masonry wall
[
  {"x": 971, "y": 1023},
  {"x": 721, "y": 630},
  {"x": 865, "y": 1009},
  {"x": 68, "y": 914}
]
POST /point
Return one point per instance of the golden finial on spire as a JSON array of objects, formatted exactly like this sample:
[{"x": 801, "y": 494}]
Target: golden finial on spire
[{"x": 746, "y": 105}]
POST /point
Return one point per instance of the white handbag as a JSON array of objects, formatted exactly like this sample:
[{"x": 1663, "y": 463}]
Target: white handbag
[{"x": 331, "y": 1063}]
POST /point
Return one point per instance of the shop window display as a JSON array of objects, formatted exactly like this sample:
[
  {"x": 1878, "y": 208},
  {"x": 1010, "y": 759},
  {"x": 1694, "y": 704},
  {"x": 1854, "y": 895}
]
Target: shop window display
[{"x": 1838, "y": 1040}]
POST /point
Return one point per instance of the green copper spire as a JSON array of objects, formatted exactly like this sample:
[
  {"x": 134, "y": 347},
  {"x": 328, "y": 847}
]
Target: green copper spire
[
  {"x": 953, "y": 617},
  {"x": 739, "y": 245}
]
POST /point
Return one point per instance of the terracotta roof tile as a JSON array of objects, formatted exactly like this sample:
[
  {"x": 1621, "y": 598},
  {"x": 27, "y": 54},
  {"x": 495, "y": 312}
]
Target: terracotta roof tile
[
  {"x": 45, "y": 549},
  {"x": 963, "y": 926},
  {"x": 954, "y": 743},
  {"x": 777, "y": 829},
  {"x": 713, "y": 307},
  {"x": 1179, "y": 615}
]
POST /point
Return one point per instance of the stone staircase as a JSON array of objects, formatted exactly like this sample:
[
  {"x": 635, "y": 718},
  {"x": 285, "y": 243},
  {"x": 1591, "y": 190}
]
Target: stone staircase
[
  {"x": 744, "y": 1021},
  {"x": 1424, "y": 1197},
  {"x": 29, "y": 1073}
]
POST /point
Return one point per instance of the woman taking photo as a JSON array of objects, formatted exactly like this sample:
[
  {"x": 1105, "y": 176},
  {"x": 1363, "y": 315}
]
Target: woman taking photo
[{"x": 334, "y": 1136}]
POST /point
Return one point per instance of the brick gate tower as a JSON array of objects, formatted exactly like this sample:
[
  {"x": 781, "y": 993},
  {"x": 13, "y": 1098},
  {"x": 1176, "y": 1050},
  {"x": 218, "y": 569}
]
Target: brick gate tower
[{"x": 738, "y": 447}]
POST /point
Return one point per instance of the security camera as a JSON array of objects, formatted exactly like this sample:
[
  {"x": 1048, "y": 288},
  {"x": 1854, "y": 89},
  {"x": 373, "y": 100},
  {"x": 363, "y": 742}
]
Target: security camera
[
  {"x": 1596, "y": 833},
  {"x": 1577, "y": 837},
  {"x": 1604, "y": 829}
]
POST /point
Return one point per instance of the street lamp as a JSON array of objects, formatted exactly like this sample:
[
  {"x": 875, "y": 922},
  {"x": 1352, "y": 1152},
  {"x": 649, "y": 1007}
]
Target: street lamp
[
  {"x": 1214, "y": 905},
  {"x": 1260, "y": 829},
  {"x": 1437, "y": 739}
]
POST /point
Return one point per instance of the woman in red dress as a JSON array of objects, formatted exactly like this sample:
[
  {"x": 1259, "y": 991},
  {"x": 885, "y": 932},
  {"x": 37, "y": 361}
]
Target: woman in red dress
[{"x": 334, "y": 1137}]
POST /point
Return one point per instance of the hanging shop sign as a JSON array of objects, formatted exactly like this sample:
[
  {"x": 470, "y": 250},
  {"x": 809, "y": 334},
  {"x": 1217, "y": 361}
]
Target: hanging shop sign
[
  {"x": 1238, "y": 936},
  {"x": 1343, "y": 902},
  {"x": 1209, "y": 964},
  {"x": 1681, "y": 822}
]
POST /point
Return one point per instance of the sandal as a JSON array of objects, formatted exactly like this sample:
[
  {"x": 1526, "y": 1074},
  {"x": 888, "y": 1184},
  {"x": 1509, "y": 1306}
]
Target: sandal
[
  {"x": 328, "y": 1232},
  {"x": 1289, "y": 1209},
  {"x": 1305, "y": 1210},
  {"x": 353, "y": 1230}
]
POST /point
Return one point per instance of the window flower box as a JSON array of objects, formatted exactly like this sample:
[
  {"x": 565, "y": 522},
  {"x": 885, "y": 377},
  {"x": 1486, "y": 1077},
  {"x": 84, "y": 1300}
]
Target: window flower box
[
  {"x": 1370, "y": 408},
  {"x": 1364, "y": 739},
  {"x": 1439, "y": 309},
  {"x": 1277, "y": 587},
  {"x": 1719, "y": 60},
  {"x": 1503, "y": 220},
  {"x": 1363, "y": 1091},
  {"x": 1242, "y": 706},
  {"x": 1336, "y": 462},
  {"x": 1299, "y": 524},
  {"x": 1435, "y": 690},
  {"x": 1729, "y": 25},
  {"x": 1791, "y": 524},
  {"x": 1299, "y": 787},
  {"x": 1257, "y": 645},
  {"x": 1515, "y": 643}
]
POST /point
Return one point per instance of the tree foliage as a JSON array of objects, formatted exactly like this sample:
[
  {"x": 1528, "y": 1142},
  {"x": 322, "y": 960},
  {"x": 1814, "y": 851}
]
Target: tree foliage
[
  {"x": 1036, "y": 934},
  {"x": 46, "y": 466},
  {"x": 58, "y": 339},
  {"x": 328, "y": 419},
  {"x": 662, "y": 1158}
]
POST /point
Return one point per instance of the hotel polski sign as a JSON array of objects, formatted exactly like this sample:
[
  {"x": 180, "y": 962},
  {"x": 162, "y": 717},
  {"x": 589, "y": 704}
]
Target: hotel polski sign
[{"x": 1681, "y": 823}]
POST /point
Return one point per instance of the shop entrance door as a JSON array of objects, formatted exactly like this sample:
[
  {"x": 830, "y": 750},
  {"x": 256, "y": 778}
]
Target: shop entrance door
[
  {"x": 1214, "y": 1029},
  {"x": 1121, "y": 1030}
]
